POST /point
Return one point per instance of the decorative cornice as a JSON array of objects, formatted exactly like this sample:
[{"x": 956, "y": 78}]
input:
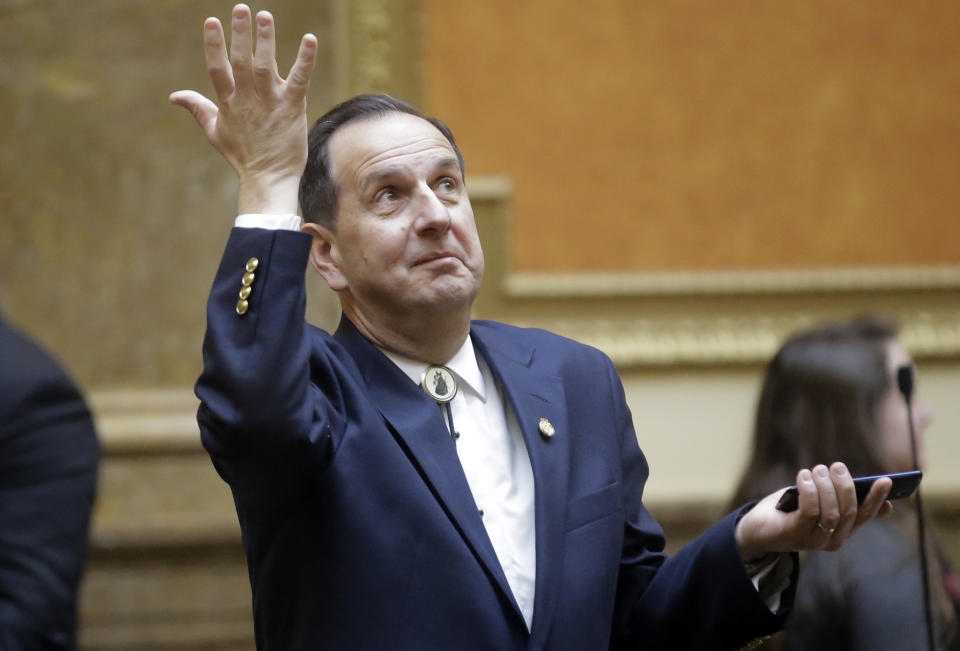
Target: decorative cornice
[
  {"x": 146, "y": 421},
  {"x": 699, "y": 340},
  {"x": 767, "y": 281},
  {"x": 706, "y": 318},
  {"x": 157, "y": 487},
  {"x": 377, "y": 48},
  {"x": 373, "y": 49}
]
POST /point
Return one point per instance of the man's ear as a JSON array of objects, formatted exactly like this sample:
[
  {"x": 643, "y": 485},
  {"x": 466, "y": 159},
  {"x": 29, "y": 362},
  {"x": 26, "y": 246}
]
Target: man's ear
[{"x": 325, "y": 256}]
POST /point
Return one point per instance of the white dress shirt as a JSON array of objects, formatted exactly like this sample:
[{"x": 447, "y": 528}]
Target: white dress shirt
[{"x": 495, "y": 462}]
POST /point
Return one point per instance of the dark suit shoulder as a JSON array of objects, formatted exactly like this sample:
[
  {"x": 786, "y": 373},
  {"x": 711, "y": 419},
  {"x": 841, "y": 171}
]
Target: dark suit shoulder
[
  {"x": 48, "y": 466},
  {"x": 29, "y": 376},
  {"x": 535, "y": 337}
]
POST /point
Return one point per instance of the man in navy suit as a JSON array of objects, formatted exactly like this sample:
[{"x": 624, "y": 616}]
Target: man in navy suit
[{"x": 418, "y": 480}]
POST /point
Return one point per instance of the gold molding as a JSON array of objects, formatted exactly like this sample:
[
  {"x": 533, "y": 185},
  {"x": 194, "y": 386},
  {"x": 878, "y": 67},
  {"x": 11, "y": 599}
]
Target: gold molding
[
  {"x": 377, "y": 48},
  {"x": 591, "y": 284},
  {"x": 658, "y": 319},
  {"x": 146, "y": 421},
  {"x": 157, "y": 486},
  {"x": 706, "y": 341}
]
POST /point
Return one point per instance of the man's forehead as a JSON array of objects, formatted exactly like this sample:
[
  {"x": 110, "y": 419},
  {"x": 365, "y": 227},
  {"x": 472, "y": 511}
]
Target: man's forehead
[{"x": 364, "y": 144}]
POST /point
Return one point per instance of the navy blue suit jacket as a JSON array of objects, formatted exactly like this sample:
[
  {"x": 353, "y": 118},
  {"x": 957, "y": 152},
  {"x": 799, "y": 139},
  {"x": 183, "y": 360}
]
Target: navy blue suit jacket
[
  {"x": 358, "y": 523},
  {"x": 48, "y": 474}
]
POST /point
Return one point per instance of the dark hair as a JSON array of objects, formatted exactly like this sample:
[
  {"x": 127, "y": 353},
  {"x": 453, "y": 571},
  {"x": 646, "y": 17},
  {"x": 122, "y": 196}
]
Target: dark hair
[
  {"x": 318, "y": 188},
  {"x": 820, "y": 400}
]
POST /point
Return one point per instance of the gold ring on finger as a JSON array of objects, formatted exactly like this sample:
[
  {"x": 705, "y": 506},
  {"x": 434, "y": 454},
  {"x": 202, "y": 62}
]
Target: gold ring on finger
[{"x": 825, "y": 530}]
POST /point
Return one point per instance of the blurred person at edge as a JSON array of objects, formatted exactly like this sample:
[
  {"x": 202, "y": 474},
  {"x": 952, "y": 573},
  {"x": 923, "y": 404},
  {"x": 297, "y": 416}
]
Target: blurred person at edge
[
  {"x": 831, "y": 393},
  {"x": 48, "y": 475}
]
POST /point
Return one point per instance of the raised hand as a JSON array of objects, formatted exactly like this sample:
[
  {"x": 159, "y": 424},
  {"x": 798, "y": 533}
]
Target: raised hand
[
  {"x": 827, "y": 515},
  {"x": 259, "y": 120}
]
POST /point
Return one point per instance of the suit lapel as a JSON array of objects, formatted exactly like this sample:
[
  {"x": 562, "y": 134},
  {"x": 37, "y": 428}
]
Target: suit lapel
[
  {"x": 419, "y": 426},
  {"x": 534, "y": 396}
]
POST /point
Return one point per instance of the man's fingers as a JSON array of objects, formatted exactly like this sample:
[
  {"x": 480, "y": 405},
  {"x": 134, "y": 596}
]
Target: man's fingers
[
  {"x": 846, "y": 500},
  {"x": 829, "y": 504},
  {"x": 885, "y": 509},
  {"x": 241, "y": 46},
  {"x": 298, "y": 80},
  {"x": 203, "y": 110},
  {"x": 875, "y": 504},
  {"x": 819, "y": 512},
  {"x": 808, "y": 502},
  {"x": 215, "y": 54},
  {"x": 265, "y": 75}
]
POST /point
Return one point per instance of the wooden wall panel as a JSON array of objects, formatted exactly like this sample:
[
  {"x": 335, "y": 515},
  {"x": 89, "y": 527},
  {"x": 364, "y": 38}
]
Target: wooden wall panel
[{"x": 701, "y": 136}]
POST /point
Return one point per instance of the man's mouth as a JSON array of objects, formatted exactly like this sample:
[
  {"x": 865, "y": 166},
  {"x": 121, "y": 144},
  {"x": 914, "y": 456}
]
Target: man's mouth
[{"x": 435, "y": 257}]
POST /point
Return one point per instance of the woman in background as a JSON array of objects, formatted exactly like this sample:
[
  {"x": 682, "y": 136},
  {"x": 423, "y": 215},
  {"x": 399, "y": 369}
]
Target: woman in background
[{"x": 831, "y": 393}]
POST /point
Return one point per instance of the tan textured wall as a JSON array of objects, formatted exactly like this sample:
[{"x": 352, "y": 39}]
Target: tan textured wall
[
  {"x": 114, "y": 208},
  {"x": 697, "y": 135}
]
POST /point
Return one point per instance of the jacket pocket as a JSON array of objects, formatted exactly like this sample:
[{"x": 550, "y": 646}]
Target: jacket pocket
[{"x": 593, "y": 506}]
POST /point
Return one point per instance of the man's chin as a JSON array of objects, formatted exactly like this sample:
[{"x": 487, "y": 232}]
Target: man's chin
[{"x": 449, "y": 295}]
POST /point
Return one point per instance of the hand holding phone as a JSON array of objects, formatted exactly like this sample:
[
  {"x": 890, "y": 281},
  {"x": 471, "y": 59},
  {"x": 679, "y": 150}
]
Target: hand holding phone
[{"x": 904, "y": 483}]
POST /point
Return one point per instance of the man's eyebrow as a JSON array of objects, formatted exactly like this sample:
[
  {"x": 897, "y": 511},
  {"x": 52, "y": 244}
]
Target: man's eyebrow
[
  {"x": 448, "y": 162},
  {"x": 448, "y": 165},
  {"x": 378, "y": 177},
  {"x": 387, "y": 173}
]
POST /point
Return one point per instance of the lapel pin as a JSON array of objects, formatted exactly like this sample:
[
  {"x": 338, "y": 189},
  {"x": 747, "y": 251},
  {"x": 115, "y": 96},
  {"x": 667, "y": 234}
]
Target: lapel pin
[
  {"x": 439, "y": 383},
  {"x": 546, "y": 429}
]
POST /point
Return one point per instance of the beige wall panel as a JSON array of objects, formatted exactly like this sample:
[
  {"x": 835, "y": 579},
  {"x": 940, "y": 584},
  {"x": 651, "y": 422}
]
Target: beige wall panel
[
  {"x": 694, "y": 425},
  {"x": 695, "y": 428},
  {"x": 114, "y": 208},
  {"x": 702, "y": 136}
]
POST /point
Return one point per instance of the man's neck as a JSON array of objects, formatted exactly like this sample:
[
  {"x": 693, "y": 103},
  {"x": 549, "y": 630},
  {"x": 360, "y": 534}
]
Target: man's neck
[{"x": 433, "y": 338}]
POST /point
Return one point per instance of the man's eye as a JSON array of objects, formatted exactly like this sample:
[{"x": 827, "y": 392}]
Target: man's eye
[
  {"x": 387, "y": 195},
  {"x": 447, "y": 185}
]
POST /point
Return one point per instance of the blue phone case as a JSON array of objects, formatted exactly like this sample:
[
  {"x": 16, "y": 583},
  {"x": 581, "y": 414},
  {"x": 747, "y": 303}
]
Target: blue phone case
[{"x": 904, "y": 483}]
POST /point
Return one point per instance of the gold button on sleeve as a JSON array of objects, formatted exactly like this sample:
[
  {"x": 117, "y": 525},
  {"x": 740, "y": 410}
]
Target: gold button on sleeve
[
  {"x": 252, "y": 264},
  {"x": 242, "y": 306},
  {"x": 247, "y": 279},
  {"x": 245, "y": 291}
]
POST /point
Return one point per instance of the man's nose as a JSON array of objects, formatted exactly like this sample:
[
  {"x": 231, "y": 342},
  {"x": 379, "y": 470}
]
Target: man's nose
[{"x": 432, "y": 213}]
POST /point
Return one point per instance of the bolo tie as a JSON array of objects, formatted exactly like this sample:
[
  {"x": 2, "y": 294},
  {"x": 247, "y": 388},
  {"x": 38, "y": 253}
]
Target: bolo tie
[{"x": 440, "y": 384}]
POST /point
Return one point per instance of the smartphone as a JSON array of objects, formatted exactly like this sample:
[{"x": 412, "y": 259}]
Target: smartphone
[{"x": 904, "y": 483}]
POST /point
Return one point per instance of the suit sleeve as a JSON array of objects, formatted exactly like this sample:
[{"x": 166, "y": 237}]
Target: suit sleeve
[
  {"x": 262, "y": 418},
  {"x": 48, "y": 470},
  {"x": 700, "y": 598}
]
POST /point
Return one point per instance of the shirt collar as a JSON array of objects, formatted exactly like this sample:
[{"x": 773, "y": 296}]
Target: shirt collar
[{"x": 463, "y": 364}]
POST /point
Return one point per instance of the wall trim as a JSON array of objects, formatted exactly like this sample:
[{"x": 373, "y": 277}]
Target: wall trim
[
  {"x": 761, "y": 281},
  {"x": 377, "y": 48},
  {"x": 146, "y": 421},
  {"x": 700, "y": 340},
  {"x": 669, "y": 318}
]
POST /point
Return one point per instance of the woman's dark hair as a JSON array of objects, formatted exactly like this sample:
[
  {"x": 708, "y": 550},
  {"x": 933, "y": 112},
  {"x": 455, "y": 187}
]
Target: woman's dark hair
[
  {"x": 820, "y": 400},
  {"x": 318, "y": 188}
]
